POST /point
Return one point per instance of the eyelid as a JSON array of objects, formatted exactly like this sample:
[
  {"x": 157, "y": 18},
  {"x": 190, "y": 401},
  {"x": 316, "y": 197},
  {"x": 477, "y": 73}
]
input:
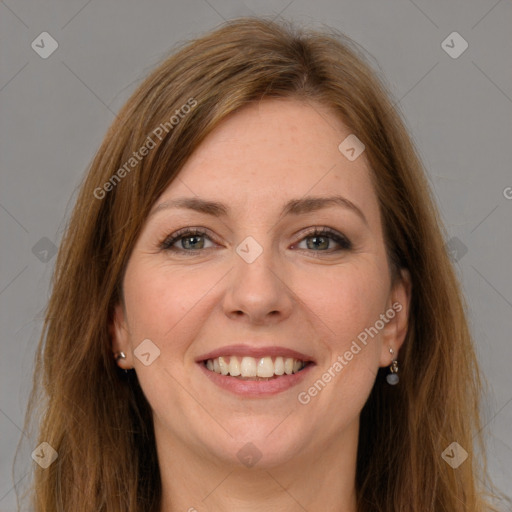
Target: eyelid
[
  {"x": 170, "y": 240},
  {"x": 343, "y": 241}
]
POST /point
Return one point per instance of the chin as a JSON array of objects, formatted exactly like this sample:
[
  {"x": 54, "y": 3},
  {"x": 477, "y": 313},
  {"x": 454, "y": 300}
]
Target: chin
[{"x": 262, "y": 446}]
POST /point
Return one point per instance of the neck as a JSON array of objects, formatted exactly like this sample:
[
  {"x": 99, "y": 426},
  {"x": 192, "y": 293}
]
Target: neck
[{"x": 322, "y": 478}]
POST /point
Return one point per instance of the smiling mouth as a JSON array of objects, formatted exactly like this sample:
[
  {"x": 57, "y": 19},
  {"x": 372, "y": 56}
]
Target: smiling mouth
[{"x": 255, "y": 368}]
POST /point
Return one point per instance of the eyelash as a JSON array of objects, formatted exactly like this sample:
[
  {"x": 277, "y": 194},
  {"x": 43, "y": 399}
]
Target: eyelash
[{"x": 168, "y": 242}]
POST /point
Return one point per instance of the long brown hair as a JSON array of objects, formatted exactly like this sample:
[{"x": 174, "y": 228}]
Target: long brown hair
[{"x": 97, "y": 418}]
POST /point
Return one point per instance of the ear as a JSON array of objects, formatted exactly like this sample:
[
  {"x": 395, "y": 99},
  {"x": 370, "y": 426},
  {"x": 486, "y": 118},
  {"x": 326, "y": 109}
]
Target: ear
[
  {"x": 120, "y": 337},
  {"x": 397, "y": 313}
]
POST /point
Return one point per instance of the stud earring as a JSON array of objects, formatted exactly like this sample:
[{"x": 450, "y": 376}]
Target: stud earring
[
  {"x": 119, "y": 355},
  {"x": 392, "y": 378}
]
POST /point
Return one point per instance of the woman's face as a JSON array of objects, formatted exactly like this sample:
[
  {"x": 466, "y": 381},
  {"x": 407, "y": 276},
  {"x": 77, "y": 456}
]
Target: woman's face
[{"x": 253, "y": 290}]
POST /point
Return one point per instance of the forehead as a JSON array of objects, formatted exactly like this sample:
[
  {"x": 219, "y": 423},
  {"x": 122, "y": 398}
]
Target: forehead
[{"x": 271, "y": 151}]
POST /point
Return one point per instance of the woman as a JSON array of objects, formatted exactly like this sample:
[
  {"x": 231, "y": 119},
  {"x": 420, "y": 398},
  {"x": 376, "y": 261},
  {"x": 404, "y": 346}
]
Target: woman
[{"x": 252, "y": 306}]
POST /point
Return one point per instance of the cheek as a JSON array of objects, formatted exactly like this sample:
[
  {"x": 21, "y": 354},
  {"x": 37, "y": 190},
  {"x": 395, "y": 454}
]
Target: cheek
[
  {"x": 347, "y": 300},
  {"x": 351, "y": 303},
  {"x": 162, "y": 300}
]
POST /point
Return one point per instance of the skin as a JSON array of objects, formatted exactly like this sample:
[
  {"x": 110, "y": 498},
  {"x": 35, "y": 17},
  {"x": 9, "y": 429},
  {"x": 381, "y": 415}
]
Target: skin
[{"x": 296, "y": 295}]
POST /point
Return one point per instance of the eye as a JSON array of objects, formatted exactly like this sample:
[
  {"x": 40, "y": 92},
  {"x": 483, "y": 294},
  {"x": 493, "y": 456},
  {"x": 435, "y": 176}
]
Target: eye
[
  {"x": 190, "y": 240},
  {"x": 319, "y": 240}
]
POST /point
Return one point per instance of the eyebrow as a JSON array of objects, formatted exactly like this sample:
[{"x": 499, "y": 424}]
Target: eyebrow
[{"x": 293, "y": 207}]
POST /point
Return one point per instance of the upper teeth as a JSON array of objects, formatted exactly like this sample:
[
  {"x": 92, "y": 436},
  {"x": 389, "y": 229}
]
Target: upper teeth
[{"x": 254, "y": 367}]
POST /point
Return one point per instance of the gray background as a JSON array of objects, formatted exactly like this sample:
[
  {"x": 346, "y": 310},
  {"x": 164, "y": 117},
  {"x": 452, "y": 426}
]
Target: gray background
[{"x": 55, "y": 112}]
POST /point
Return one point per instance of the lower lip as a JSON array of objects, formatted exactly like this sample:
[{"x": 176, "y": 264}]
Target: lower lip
[{"x": 256, "y": 388}]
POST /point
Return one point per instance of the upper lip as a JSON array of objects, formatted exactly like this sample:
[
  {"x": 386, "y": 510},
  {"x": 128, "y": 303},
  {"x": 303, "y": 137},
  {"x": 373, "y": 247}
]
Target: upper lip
[{"x": 256, "y": 352}]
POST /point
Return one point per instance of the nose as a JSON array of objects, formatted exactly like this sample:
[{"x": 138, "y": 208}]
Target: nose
[{"x": 258, "y": 292}]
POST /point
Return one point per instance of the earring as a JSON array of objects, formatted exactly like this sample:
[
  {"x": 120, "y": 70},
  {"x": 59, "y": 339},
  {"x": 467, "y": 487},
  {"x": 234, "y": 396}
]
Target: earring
[
  {"x": 119, "y": 355},
  {"x": 392, "y": 378}
]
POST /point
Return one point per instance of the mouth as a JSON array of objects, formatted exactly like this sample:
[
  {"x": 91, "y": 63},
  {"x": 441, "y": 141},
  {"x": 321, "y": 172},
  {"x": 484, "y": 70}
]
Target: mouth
[
  {"x": 255, "y": 372},
  {"x": 255, "y": 369}
]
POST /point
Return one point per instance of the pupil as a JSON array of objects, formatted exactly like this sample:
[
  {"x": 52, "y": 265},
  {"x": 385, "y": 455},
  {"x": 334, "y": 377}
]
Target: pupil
[
  {"x": 189, "y": 238},
  {"x": 316, "y": 238}
]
